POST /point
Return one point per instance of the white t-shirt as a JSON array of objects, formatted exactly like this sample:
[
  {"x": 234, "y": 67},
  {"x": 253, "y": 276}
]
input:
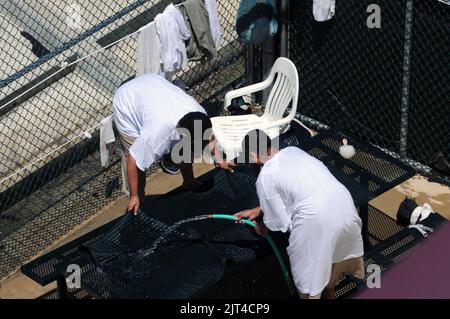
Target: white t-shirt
[
  {"x": 298, "y": 193},
  {"x": 149, "y": 108}
]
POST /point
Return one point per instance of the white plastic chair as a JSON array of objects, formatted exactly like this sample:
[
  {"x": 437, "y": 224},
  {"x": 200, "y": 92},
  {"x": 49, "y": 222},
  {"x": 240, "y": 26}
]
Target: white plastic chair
[{"x": 230, "y": 130}]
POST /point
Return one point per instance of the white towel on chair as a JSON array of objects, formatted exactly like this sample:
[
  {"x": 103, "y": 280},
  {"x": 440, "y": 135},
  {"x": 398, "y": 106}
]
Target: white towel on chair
[
  {"x": 323, "y": 10},
  {"x": 106, "y": 139}
]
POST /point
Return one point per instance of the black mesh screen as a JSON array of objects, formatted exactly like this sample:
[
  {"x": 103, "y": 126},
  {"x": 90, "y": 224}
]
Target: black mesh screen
[{"x": 386, "y": 86}]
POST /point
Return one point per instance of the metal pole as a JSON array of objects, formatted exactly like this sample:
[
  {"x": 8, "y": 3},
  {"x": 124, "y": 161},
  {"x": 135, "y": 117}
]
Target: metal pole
[
  {"x": 406, "y": 78},
  {"x": 284, "y": 19},
  {"x": 250, "y": 64}
]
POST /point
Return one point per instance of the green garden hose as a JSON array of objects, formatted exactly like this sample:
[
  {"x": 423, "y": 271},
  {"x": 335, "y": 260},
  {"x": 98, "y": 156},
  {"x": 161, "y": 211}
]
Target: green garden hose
[{"x": 271, "y": 242}]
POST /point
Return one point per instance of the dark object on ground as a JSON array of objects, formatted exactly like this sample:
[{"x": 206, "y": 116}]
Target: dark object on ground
[
  {"x": 405, "y": 210},
  {"x": 37, "y": 48},
  {"x": 300, "y": 131},
  {"x": 239, "y": 107},
  {"x": 440, "y": 163},
  {"x": 111, "y": 187}
]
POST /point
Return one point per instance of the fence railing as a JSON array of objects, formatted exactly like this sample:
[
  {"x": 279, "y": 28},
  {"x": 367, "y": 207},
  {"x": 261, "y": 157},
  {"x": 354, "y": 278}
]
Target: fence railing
[
  {"x": 61, "y": 64},
  {"x": 387, "y": 85}
]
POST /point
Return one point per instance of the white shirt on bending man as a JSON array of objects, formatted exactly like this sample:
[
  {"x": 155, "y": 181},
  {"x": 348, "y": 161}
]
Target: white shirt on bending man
[
  {"x": 147, "y": 112},
  {"x": 148, "y": 108}
]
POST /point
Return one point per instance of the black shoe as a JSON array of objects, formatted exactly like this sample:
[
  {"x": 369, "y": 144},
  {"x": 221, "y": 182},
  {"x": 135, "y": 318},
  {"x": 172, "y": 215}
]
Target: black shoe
[{"x": 169, "y": 167}]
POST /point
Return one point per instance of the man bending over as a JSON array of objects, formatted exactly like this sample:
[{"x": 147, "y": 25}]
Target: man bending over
[{"x": 149, "y": 112}]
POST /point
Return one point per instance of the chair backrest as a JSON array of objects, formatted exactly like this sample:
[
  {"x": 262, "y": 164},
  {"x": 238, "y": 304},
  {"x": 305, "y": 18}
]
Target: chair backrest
[{"x": 284, "y": 90}]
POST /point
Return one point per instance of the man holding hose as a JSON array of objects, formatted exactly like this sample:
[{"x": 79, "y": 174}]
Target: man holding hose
[{"x": 297, "y": 193}]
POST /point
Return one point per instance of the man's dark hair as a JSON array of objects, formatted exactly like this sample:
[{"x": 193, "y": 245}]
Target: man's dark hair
[
  {"x": 187, "y": 121},
  {"x": 255, "y": 141},
  {"x": 190, "y": 122}
]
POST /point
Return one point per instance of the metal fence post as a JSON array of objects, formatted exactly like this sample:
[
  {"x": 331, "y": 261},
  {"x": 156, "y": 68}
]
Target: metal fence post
[
  {"x": 406, "y": 78},
  {"x": 250, "y": 63},
  {"x": 284, "y": 19}
]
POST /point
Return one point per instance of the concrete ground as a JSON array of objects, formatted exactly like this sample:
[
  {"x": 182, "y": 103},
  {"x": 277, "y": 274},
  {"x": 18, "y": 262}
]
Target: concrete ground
[
  {"x": 20, "y": 286},
  {"x": 419, "y": 188}
]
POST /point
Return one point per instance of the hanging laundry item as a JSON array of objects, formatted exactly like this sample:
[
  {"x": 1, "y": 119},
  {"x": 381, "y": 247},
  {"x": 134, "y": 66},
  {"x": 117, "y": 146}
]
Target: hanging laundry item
[
  {"x": 173, "y": 32},
  {"x": 323, "y": 10},
  {"x": 216, "y": 31},
  {"x": 256, "y": 20},
  {"x": 148, "y": 51},
  {"x": 107, "y": 139},
  {"x": 201, "y": 44}
]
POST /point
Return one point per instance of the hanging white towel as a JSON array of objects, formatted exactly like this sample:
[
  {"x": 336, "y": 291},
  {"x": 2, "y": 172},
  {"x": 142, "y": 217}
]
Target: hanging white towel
[
  {"x": 323, "y": 10},
  {"x": 211, "y": 7},
  {"x": 106, "y": 139},
  {"x": 172, "y": 31},
  {"x": 148, "y": 51}
]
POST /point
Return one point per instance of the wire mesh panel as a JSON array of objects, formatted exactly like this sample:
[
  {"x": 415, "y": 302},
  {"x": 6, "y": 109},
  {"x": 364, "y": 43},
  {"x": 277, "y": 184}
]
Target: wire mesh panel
[
  {"x": 429, "y": 113},
  {"x": 50, "y": 108},
  {"x": 384, "y": 85}
]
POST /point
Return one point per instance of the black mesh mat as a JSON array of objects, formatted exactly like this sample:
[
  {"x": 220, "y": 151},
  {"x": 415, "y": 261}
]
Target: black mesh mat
[
  {"x": 125, "y": 262},
  {"x": 180, "y": 267},
  {"x": 221, "y": 192},
  {"x": 129, "y": 234}
]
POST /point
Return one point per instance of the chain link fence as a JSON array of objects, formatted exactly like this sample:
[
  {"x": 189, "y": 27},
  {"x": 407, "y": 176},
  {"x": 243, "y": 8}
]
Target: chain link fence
[
  {"x": 388, "y": 85},
  {"x": 50, "y": 109}
]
